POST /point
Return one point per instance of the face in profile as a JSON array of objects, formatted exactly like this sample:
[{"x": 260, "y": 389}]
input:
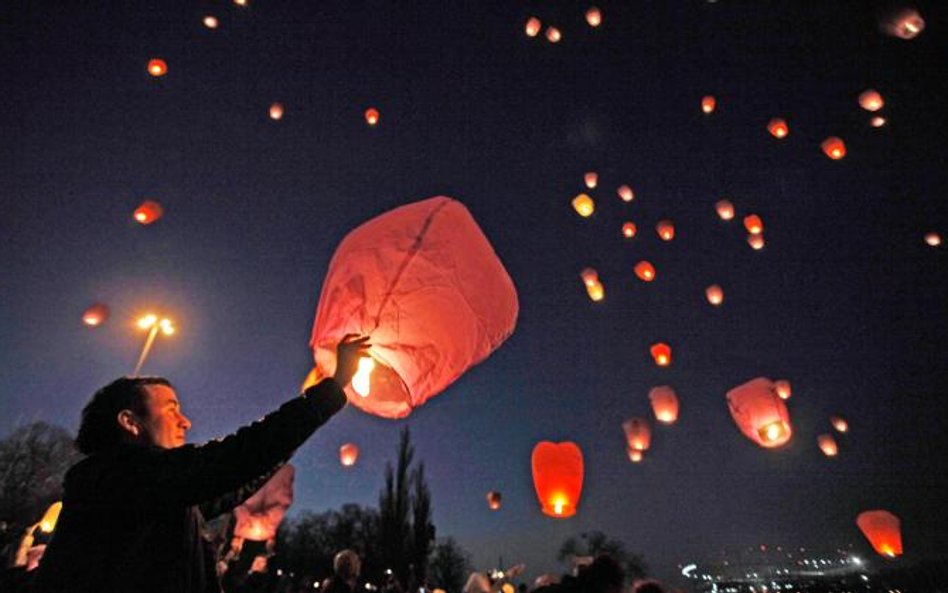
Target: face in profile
[{"x": 164, "y": 425}]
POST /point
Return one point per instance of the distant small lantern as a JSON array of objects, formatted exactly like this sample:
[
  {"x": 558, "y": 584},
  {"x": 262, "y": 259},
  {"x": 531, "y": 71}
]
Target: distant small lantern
[
  {"x": 594, "y": 287},
  {"x": 708, "y": 104},
  {"x": 871, "y": 100},
  {"x": 714, "y": 294},
  {"x": 553, "y": 35},
  {"x": 157, "y": 67},
  {"x": 594, "y": 17},
  {"x": 782, "y": 389},
  {"x": 348, "y": 454},
  {"x": 533, "y": 26},
  {"x": 372, "y": 116},
  {"x": 665, "y": 404},
  {"x": 839, "y": 424},
  {"x": 778, "y": 128},
  {"x": 628, "y": 230},
  {"x": 210, "y": 22},
  {"x": 276, "y": 111},
  {"x": 725, "y": 209},
  {"x": 591, "y": 179},
  {"x": 148, "y": 212},
  {"x": 638, "y": 434},
  {"x": 665, "y": 230},
  {"x": 635, "y": 456},
  {"x": 95, "y": 315},
  {"x": 584, "y": 205},
  {"x": 645, "y": 271},
  {"x": 625, "y": 193},
  {"x": 883, "y": 530},
  {"x": 756, "y": 242},
  {"x": 933, "y": 239},
  {"x": 557, "y": 477},
  {"x": 661, "y": 354},
  {"x": 241, "y": 2},
  {"x": 753, "y": 224},
  {"x": 759, "y": 414},
  {"x": 906, "y": 24},
  {"x": 493, "y": 500},
  {"x": 834, "y": 148},
  {"x": 877, "y": 121},
  {"x": 827, "y": 445}
]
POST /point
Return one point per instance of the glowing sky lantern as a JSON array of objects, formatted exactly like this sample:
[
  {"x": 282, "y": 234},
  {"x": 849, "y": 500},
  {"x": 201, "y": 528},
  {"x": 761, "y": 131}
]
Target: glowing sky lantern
[
  {"x": 645, "y": 271},
  {"x": 708, "y": 104},
  {"x": 493, "y": 500},
  {"x": 210, "y": 22},
  {"x": 625, "y": 193},
  {"x": 157, "y": 67},
  {"x": 839, "y": 424},
  {"x": 635, "y": 456},
  {"x": 661, "y": 354},
  {"x": 594, "y": 16},
  {"x": 594, "y": 287},
  {"x": 759, "y": 413},
  {"x": 933, "y": 239},
  {"x": 753, "y": 224},
  {"x": 553, "y": 35},
  {"x": 664, "y": 404},
  {"x": 557, "y": 477},
  {"x": 276, "y": 111},
  {"x": 638, "y": 434},
  {"x": 782, "y": 389},
  {"x": 424, "y": 283},
  {"x": 756, "y": 242},
  {"x": 258, "y": 518},
  {"x": 584, "y": 205},
  {"x": 827, "y": 445},
  {"x": 834, "y": 148},
  {"x": 95, "y": 315},
  {"x": 778, "y": 128},
  {"x": 665, "y": 230},
  {"x": 48, "y": 523},
  {"x": 533, "y": 26},
  {"x": 871, "y": 100},
  {"x": 905, "y": 23},
  {"x": 241, "y": 2},
  {"x": 714, "y": 294},
  {"x": 877, "y": 121},
  {"x": 148, "y": 212},
  {"x": 883, "y": 530},
  {"x": 628, "y": 229},
  {"x": 372, "y": 116},
  {"x": 725, "y": 209},
  {"x": 591, "y": 179},
  {"x": 348, "y": 454}
]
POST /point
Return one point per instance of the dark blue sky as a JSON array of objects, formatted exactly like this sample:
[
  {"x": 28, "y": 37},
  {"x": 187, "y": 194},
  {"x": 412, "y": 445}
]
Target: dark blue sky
[{"x": 846, "y": 300}]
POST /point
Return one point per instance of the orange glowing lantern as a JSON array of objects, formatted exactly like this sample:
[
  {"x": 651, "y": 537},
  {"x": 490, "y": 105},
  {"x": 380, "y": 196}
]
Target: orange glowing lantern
[
  {"x": 493, "y": 500},
  {"x": 665, "y": 230},
  {"x": 148, "y": 212},
  {"x": 635, "y": 456},
  {"x": 157, "y": 67},
  {"x": 753, "y": 224},
  {"x": 756, "y": 242},
  {"x": 664, "y": 404},
  {"x": 933, "y": 239},
  {"x": 584, "y": 205},
  {"x": 348, "y": 454},
  {"x": 594, "y": 287},
  {"x": 839, "y": 424},
  {"x": 533, "y": 26},
  {"x": 877, "y": 121},
  {"x": 725, "y": 209},
  {"x": 276, "y": 111},
  {"x": 628, "y": 230},
  {"x": 553, "y": 35},
  {"x": 827, "y": 445},
  {"x": 661, "y": 354},
  {"x": 95, "y": 315},
  {"x": 241, "y": 2},
  {"x": 258, "y": 518},
  {"x": 625, "y": 193},
  {"x": 714, "y": 294},
  {"x": 883, "y": 530},
  {"x": 645, "y": 271},
  {"x": 425, "y": 284},
  {"x": 557, "y": 477},
  {"x": 782, "y": 389},
  {"x": 210, "y": 22},
  {"x": 591, "y": 179},
  {"x": 372, "y": 116},
  {"x": 638, "y": 434},
  {"x": 48, "y": 523},
  {"x": 906, "y": 23},
  {"x": 708, "y": 104},
  {"x": 778, "y": 128},
  {"x": 871, "y": 100},
  {"x": 594, "y": 16},
  {"x": 834, "y": 148},
  {"x": 759, "y": 413}
]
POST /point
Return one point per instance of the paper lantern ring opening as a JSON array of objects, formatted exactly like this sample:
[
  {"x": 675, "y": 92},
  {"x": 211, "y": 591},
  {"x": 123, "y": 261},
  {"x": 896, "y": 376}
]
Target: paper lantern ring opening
[
  {"x": 557, "y": 477},
  {"x": 423, "y": 282},
  {"x": 759, "y": 413},
  {"x": 883, "y": 530}
]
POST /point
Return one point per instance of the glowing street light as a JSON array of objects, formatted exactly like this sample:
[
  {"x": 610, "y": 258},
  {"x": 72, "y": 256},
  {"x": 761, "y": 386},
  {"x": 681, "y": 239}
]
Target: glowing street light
[{"x": 151, "y": 323}]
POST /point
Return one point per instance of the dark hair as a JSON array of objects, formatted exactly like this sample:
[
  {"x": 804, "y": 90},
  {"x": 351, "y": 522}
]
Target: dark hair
[
  {"x": 99, "y": 430},
  {"x": 603, "y": 575},
  {"x": 649, "y": 587}
]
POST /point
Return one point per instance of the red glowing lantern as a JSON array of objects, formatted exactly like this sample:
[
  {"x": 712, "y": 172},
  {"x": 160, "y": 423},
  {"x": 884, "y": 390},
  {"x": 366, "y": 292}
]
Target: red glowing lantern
[
  {"x": 638, "y": 434},
  {"x": 778, "y": 128},
  {"x": 258, "y": 518},
  {"x": 591, "y": 179},
  {"x": 756, "y": 242},
  {"x": 553, "y": 35},
  {"x": 276, "y": 111},
  {"x": 753, "y": 224},
  {"x": 839, "y": 424},
  {"x": 714, "y": 294},
  {"x": 883, "y": 530},
  {"x": 628, "y": 230},
  {"x": 533, "y": 26},
  {"x": 933, "y": 239},
  {"x": 594, "y": 16},
  {"x": 661, "y": 354},
  {"x": 625, "y": 193},
  {"x": 827, "y": 445},
  {"x": 424, "y": 283},
  {"x": 148, "y": 212},
  {"x": 708, "y": 104},
  {"x": 645, "y": 271},
  {"x": 584, "y": 205},
  {"x": 782, "y": 389},
  {"x": 664, "y": 404},
  {"x": 871, "y": 100},
  {"x": 635, "y": 456},
  {"x": 759, "y": 413},
  {"x": 557, "y": 477},
  {"x": 725, "y": 209},
  {"x": 95, "y": 315},
  {"x": 905, "y": 23},
  {"x": 372, "y": 116},
  {"x": 665, "y": 230},
  {"x": 493, "y": 500},
  {"x": 834, "y": 148},
  {"x": 157, "y": 67},
  {"x": 348, "y": 454}
]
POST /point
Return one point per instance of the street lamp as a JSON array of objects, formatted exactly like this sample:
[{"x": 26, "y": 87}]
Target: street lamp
[{"x": 151, "y": 323}]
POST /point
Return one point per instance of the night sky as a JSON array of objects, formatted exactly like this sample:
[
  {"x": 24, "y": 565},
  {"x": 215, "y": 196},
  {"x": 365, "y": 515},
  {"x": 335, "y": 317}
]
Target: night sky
[{"x": 846, "y": 300}]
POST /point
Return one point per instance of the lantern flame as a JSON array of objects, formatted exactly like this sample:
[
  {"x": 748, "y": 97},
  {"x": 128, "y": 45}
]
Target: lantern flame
[
  {"x": 778, "y": 128},
  {"x": 360, "y": 381}
]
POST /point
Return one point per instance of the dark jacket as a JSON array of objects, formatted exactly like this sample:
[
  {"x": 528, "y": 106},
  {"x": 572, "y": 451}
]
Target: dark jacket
[{"x": 133, "y": 518}]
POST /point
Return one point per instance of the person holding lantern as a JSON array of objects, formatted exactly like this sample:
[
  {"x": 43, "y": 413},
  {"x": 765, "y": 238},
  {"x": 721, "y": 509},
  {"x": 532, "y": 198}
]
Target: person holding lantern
[{"x": 134, "y": 509}]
